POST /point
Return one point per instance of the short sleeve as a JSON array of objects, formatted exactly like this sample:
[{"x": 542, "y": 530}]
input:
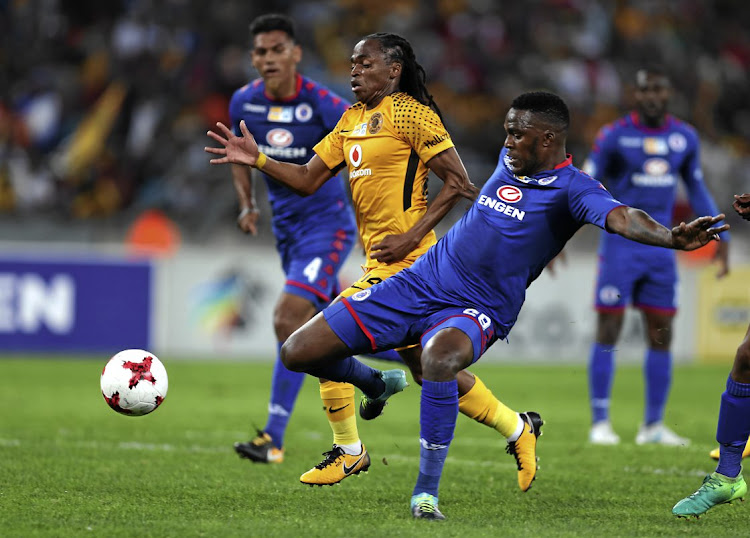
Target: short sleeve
[
  {"x": 598, "y": 161},
  {"x": 589, "y": 202},
  {"x": 331, "y": 148},
  {"x": 421, "y": 127}
]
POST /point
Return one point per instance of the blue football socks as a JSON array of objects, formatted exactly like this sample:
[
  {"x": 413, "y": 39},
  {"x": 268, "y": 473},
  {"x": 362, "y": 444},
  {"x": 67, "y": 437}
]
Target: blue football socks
[
  {"x": 601, "y": 373},
  {"x": 657, "y": 372},
  {"x": 285, "y": 386},
  {"x": 733, "y": 428},
  {"x": 350, "y": 370},
  {"x": 437, "y": 417}
]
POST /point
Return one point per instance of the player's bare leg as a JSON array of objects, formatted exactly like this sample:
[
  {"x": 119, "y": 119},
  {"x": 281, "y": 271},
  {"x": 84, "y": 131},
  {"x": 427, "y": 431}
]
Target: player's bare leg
[
  {"x": 291, "y": 312},
  {"x": 601, "y": 371},
  {"x": 658, "y": 375}
]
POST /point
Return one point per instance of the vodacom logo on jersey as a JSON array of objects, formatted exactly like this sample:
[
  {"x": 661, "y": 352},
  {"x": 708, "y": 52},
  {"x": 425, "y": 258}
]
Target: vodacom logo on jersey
[
  {"x": 509, "y": 193},
  {"x": 355, "y": 159},
  {"x": 355, "y": 155}
]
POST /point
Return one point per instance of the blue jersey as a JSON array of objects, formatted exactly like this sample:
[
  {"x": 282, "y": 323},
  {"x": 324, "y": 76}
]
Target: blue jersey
[
  {"x": 510, "y": 233},
  {"x": 641, "y": 166},
  {"x": 287, "y": 131}
]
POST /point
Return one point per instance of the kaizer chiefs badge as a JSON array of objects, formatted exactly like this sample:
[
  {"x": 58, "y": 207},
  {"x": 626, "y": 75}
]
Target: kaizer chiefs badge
[{"x": 376, "y": 122}]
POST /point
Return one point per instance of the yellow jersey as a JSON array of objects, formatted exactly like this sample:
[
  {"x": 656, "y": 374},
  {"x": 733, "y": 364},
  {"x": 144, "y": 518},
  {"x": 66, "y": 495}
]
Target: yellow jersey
[{"x": 385, "y": 150}]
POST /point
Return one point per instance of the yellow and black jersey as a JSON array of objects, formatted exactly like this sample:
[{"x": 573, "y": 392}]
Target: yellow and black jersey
[{"x": 385, "y": 150}]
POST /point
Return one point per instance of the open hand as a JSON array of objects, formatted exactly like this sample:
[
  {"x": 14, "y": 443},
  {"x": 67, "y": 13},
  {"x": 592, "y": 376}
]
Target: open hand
[
  {"x": 237, "y": 149},
  {"x": 697, "y": 233}
]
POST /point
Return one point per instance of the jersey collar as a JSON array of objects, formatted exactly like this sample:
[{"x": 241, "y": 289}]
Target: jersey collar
[
  {"x": 544, "y": 177},
  {"x": 636, "y": 121},
  {"x": 297, "y": 89}
]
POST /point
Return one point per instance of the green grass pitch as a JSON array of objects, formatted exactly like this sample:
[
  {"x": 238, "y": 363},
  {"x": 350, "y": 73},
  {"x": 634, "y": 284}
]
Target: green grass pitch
[{"x": 69, "y": 466}]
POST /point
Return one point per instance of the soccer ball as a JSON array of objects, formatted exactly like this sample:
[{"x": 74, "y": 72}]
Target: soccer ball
[{"x": 134, "y": 382}]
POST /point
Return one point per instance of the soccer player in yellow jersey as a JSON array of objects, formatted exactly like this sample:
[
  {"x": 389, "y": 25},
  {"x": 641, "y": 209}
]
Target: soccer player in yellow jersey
[{"x": 388, "y": 141}]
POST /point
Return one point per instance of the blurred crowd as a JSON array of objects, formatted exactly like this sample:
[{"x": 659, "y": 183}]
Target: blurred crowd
[{"x": 104, "y": 105}]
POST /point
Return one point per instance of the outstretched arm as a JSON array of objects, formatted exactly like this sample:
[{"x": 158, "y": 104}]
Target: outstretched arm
[
  {"x": 447, "y": 166},
  {"x": 637, "y": 225},
  {"x": 303, "y": 179}
]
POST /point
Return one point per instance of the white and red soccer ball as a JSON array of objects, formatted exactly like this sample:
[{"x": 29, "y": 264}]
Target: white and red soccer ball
[{"x": 134, "y": 382}]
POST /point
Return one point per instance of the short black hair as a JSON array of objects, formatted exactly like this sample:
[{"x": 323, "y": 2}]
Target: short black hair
[
  {"x": 270, "y": 22},
  {"x": 653, "y": 69},
  {"x": 547, "y": 104}
]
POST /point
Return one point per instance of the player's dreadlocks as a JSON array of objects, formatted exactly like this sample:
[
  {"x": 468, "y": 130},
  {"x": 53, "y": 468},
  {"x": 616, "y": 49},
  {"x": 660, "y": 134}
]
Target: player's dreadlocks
[{"x": 413, "y": 76}]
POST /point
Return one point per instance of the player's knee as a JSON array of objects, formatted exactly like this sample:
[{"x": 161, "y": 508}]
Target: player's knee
[
  {"x": 608, "y": 328},
  {"x": 291, "y": 354},
  {"x": 283, "y": 326},
  {"x": 659, "y": 342},
  {"x": 411, "y": 357},
  {"x": 442, "y": 360},
  {"x": 741, "y": 368},
  {"x": 286, "y": 321}
]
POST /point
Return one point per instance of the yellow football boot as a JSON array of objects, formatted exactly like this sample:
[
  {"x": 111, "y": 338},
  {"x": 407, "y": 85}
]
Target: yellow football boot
[
  {"x": 336, "y": 466},
  {"x": 524, "y": 449}
]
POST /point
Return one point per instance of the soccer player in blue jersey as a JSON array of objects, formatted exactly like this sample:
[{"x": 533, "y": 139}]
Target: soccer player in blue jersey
[
  {"x": 640, "y": 159},
  {"x": 288, "y": 114},
  {"x": 392, "y": 118},
  {"x": 467, "y": 290},
  {"x": 726, "y": 484},
  {"x": 395, "y": 117}
]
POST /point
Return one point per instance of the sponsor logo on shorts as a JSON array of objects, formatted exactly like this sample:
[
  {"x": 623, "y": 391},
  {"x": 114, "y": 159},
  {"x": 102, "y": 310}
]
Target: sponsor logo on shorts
[
  {"x": 609, "y": 295},
  {"x": 361, "y": 295}
]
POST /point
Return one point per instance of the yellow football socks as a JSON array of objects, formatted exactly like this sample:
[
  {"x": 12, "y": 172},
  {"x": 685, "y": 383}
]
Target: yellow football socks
[
  {"x": 338, "y": 402},
  {"x": 481, "y": 405}
]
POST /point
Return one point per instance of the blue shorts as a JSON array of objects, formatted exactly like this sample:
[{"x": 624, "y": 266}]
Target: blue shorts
[
  {"x": 399, "y": 311},
  {"x": 311, "y": 263},
  {"x": 645, "y": 279}
]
